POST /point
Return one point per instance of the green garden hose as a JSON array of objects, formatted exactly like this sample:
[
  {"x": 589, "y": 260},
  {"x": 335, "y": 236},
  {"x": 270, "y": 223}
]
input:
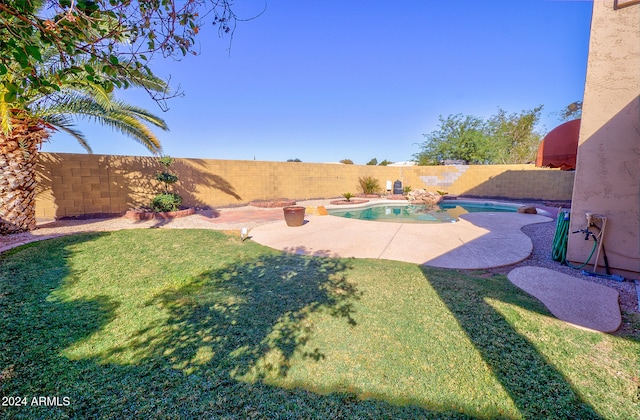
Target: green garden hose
[{"x": 560, "y": 240}]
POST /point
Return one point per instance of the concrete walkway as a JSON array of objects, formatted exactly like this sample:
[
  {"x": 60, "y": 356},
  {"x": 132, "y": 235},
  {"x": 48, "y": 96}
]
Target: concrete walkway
[
  {"x": 578, "y": 302},
  {"x": 477, "y": 240}
]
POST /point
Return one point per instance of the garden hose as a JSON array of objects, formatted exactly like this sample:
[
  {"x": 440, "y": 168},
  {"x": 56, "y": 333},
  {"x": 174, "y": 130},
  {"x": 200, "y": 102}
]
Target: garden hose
[{"x": 561, "y": 238}]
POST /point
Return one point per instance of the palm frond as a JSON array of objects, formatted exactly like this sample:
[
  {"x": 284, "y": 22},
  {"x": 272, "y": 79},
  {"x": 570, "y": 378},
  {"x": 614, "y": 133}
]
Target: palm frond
[
  {"x": 80, "y": 97},
  {"x": 146, "y": 80},
  {"x": 118, "y": 116},
  {"x": 144, "y": 115},
  {"x": 132, "y": 127},
  {"x": 64, "y": 123}
]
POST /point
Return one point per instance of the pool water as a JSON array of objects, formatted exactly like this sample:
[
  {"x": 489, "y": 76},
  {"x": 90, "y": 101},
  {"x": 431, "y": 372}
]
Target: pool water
[{"x": 442, "y": 213}]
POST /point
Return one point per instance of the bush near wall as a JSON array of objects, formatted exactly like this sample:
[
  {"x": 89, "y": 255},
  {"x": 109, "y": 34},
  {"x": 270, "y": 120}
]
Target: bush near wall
[{"x": 76, "y": 184}]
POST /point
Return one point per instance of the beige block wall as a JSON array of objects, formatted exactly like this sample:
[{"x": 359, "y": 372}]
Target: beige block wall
[
  {"x": 509, "y": 181},
  {"x": 608, "y": 161},
  {"x": 74, "y": 184}
]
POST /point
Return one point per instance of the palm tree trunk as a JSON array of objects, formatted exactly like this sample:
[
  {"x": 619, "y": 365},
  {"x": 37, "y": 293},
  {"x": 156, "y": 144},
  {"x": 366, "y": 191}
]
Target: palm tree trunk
[{"x": 18, "y": 157}]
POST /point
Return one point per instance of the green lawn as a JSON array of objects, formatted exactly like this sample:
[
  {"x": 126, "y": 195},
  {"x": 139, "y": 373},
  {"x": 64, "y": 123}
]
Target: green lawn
[{"x": 190, "y": 323}]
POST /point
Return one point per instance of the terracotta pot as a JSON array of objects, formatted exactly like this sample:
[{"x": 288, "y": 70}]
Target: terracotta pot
[{"x": 294, "y": 215}]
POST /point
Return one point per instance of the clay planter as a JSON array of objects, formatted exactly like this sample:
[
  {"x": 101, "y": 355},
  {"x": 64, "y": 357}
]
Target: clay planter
[{"x": 294, "y": 215}]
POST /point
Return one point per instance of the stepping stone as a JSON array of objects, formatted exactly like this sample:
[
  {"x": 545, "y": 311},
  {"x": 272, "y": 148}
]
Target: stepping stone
[{"x": 579, "y": 302}]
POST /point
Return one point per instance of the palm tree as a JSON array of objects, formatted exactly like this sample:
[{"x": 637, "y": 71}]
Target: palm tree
[{"x": 24, "y": 130}]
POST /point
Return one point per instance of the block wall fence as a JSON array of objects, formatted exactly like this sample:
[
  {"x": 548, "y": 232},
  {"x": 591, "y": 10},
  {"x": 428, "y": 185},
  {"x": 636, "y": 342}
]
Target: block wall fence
[{"x": 76, "y": 184}]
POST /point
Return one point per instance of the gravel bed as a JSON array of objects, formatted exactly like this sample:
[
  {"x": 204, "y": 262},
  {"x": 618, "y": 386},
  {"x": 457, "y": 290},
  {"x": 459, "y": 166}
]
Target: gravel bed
[{"x": 541, "y": 235}]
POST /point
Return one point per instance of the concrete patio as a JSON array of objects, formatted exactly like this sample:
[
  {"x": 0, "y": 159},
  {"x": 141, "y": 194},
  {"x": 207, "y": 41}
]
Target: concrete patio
[{"x": 477, "y": 240}]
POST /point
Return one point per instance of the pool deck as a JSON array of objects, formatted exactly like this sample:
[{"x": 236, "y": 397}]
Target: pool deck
[{"x": 477, "y": 240}]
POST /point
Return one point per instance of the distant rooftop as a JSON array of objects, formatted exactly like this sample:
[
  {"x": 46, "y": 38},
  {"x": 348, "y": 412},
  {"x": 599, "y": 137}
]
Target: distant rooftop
[{"x": 404, "y": 163}]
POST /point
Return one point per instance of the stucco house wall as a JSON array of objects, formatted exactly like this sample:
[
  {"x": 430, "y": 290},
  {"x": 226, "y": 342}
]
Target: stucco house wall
[{"x": 607, "y": 178}]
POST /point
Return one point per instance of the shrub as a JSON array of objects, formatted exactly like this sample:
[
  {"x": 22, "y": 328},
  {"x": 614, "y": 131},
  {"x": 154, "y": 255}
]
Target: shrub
[
  {"x": 369, "y": 185},
  {"x": 347, "y": 196},
  {"x": 166, "y": 202},
  {"x": 167, "y": 178}
]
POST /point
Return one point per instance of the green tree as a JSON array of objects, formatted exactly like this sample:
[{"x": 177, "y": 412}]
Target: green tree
[
  {"x": 347, "y": 161},
  {"x": 459, "y": 138},
  {"x": 40, "y": 116},
  {"x": 501, "y": 139},
  {"x": 514, "y": 138},
  {"x": 119, "y": 37},
  {"x": 65, "y": 57},
  {"x": 373, "y": 161},
  {"x": 166, "y": 201},
  {"x": 385, "y": 163}
]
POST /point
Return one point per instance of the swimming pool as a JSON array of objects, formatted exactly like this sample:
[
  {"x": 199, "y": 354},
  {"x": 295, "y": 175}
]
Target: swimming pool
[{"x": 445, "y": 212}]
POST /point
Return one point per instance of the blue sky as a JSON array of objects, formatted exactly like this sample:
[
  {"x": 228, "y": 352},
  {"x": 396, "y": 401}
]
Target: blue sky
[{"x": 325, "y": 80}]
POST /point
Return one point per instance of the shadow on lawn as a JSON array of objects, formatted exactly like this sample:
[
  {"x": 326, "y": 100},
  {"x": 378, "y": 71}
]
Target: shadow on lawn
[
  {"x": 249, "y": 318},
  {"x": 536, "y": 387},
  {"x": 224, "y": 332},
  {"x": 36, "y": 327}
]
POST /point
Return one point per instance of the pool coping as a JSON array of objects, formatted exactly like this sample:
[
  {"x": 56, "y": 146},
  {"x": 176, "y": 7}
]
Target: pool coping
[{"x": 398, "y": 203}]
